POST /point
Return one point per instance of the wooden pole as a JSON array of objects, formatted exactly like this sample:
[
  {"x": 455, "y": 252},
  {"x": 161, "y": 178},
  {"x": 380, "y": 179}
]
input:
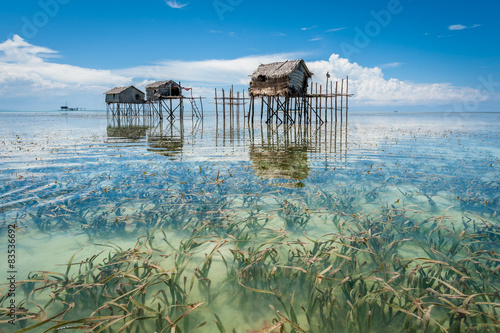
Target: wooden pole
[
  {"x": 253, "y": 107},
  {"x": 336, "y": 87},
  {"x": 216, "y": 106},
  {"x": 346, "y": 100},
  {"x": 326, "y": 102},
  {"x": 316, "y": 101},
  {"x": 261, "y": 107},
  {"x": 223, "y": 105},
  {"x": 331, "y": 101},
  {"x": 320, "y": 101},
  {"x": 341, "y": 99},
  {"x": 238, "y": 107},
  {"x": 231, "y": 96}
]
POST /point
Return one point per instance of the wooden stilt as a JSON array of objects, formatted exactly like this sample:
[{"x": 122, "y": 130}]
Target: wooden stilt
[
  {"x": 336, "y": 86},
  {"x": 341, "y": 99}
]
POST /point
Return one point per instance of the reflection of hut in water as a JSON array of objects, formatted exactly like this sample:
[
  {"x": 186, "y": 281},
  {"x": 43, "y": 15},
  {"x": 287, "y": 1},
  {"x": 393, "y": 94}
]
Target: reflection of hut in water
[
  {"x": 165, "y": 145},
  {"x": 288, "y": 79},
  {"x": 280, "y": 162},
  {"x": 133, "y": 132},
  {"x": 160, "y": 89},
  {"x": 125, "y": 127}
]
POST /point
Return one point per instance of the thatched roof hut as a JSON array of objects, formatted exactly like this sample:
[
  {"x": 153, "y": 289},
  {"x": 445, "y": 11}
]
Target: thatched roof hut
[
  {"x": 159, "y": 89},
  {"x": 128, "y": 94},
  {"x": 288, "y": 78}
]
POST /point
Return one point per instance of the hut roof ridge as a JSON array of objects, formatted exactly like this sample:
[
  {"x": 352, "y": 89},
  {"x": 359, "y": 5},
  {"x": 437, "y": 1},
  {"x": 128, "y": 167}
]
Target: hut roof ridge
[
  {"x": 158, "y": 84},
  {"x": 118, "y": 90}
]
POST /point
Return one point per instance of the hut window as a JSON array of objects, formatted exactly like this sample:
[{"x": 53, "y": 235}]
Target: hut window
[
  {"x": 136, "y": 97},
  {"x": 262, "y": 78}
]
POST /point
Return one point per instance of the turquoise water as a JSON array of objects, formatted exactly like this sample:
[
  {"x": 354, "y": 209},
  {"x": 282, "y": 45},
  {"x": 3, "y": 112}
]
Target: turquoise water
[{"x": 311, "y": 228}]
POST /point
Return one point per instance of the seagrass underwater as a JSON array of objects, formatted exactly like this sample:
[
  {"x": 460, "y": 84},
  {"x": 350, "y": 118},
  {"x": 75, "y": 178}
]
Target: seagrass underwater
[{"x": 387, "y": 223}]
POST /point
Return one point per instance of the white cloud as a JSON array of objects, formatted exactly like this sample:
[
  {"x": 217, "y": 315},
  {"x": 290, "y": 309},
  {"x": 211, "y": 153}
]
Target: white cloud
[
  {"x": 457, "y": 27},
  {"x": 315, "y": 39},
  {"x": 391, "y": 65},
  {"x": 462, "y": 27},
  {"x": 214, "y": 72},
  {"x": 370, "y": 88},
  {"x": 309, "y": 28},
  {"x": 336, "y": 29},
  {"x": 27, "y": 73},
  {"x": 174, "y": 4}
]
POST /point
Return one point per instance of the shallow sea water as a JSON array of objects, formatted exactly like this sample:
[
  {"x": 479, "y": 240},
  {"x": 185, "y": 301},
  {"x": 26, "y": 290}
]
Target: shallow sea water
[{"x": 389, "y": 222}]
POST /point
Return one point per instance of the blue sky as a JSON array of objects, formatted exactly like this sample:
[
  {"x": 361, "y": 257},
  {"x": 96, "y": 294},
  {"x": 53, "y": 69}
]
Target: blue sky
[{"x": 414, "y": 55}]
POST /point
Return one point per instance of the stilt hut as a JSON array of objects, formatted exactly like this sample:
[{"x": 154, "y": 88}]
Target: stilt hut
[
  {"x": 127, "y": 95},
  {"x": 287, "y": 79},
  {"x": 279, "y": 86},
  {"x": 157, "y": 90}
]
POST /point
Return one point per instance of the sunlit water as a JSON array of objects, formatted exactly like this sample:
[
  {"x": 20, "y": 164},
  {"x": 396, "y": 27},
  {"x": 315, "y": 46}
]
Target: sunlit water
[{"x": 80, "y": 181}]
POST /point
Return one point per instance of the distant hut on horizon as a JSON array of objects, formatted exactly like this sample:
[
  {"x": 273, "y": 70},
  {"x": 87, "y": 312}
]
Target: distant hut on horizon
[
  {"x": 159, "y": 89},
  {"x": 287, "y": 78},
  {"x": 129, "y": 95}
]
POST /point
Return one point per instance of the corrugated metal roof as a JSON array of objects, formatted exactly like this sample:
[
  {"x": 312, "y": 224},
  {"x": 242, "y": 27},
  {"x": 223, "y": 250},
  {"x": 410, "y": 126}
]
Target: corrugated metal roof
[{"x": 118, "y": 90}]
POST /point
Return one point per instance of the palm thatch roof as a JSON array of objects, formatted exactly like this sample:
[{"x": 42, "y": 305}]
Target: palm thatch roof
[
  {"x": 159, "y": 84},
  {"x": 280, "y": 79}
]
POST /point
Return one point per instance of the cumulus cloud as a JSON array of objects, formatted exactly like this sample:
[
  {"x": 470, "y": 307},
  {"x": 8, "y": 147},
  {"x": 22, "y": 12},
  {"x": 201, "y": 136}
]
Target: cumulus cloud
[
  {"x": 366, "y": 83},
  {"x": 25, "y": 69},
  {"x": 214, "y": 72},
  {"x": 371, "y": 88}
]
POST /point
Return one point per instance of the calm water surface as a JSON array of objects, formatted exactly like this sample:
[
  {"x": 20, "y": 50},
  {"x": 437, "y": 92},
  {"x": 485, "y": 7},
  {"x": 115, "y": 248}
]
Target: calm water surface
[{"x": 274, "y": 212}]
